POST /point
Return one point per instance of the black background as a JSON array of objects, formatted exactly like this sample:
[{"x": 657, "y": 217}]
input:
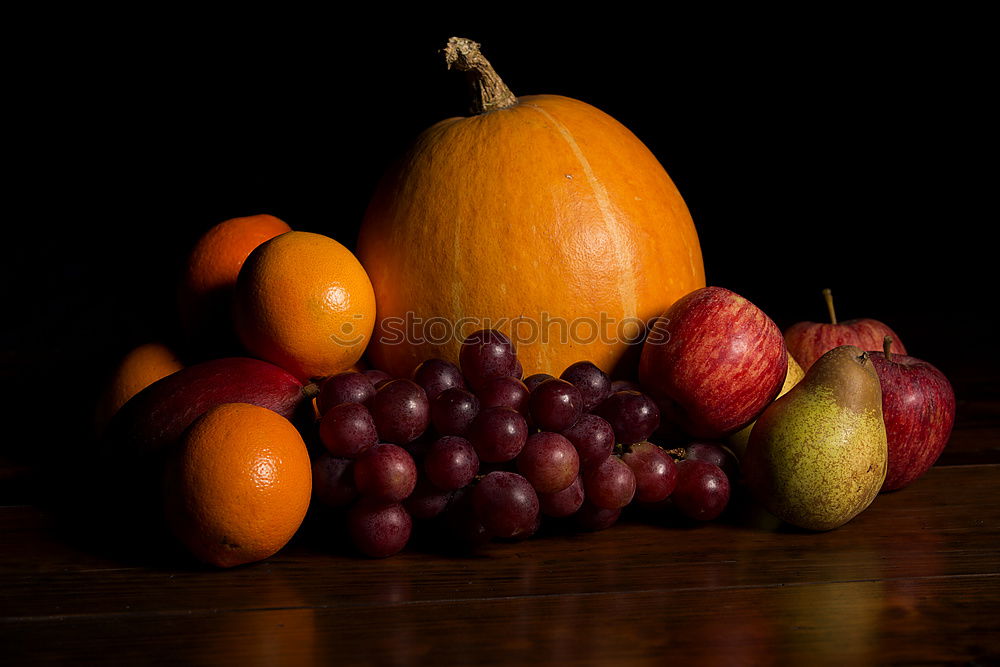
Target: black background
[{"x": 843, "y": 150}]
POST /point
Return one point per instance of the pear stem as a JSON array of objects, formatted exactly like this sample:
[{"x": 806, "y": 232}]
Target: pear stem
[
  {"x": 828, "y": 295},
  {"x": 886, "y": 345},
  {"x": 489, "y": 91}
]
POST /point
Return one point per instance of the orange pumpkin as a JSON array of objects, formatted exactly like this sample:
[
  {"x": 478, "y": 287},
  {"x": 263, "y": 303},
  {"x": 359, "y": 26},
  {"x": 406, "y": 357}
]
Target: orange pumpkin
[{"x": 541, "y": 216}]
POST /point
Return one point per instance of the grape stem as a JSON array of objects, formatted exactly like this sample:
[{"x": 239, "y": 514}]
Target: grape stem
[
  {"x": 677, "y": 452},
  {"x": 311, "y": 390}
]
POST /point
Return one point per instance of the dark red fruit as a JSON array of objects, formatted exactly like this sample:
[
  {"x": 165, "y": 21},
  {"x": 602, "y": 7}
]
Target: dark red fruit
[
  {"x": 436, "y": 375},
  {"x": 593, "y": 383},
  {"x": 386, "y": 473},
  {"x": 378, "y": 529},
  {"x": 562, "y": 503},
  {"x": 549, "y": 462},
  {"x": 347, "y": 430},
  {"x": 610, "y": 484},
  {"x": 702, "y": 490},
  {"x": 593, "y": 438},
  {"x": 505, "y": 392},
  {"x": 555, "y": 405},
  {"x": 506, "y": 504},
  {"x": 533, "y": 381},
  {"x": 401, "y": 411},
  {"x": 453, "y": 410},
  {"x": 333, "y": 481},
  {"x": 451, "y": 463},
  {"x": 487, "y": 354},
  {"x": 498, "y": 434},
  {"x": 633, "y": 415},
  {"x": 594, "y": 518},
  {"x": 655, "y": 472},
  {"x": 349, "y": 387}
]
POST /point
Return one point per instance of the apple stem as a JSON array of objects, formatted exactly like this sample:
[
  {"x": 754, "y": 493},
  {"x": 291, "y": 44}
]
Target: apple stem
[
  {"x": 828, "y": 295},
  {"x": 886, "y": 345}
]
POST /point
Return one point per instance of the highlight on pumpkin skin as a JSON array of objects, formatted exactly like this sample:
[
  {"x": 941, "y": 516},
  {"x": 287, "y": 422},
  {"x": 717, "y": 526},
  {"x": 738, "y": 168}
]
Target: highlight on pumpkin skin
[
  {"x": 548, "y": 329},
  {"x": 599, "y": 227}
]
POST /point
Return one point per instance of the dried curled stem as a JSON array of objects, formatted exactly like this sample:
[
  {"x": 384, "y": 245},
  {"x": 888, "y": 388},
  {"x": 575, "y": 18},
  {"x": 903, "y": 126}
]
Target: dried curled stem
[{"x": 489, "y": 92}]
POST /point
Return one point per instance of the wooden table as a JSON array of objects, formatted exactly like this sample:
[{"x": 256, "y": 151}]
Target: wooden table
[{"x": 915, "y": 578}]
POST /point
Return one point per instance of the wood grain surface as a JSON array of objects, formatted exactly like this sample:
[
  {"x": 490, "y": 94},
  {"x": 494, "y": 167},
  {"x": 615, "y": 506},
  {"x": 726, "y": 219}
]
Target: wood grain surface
[{"x": 915, "y": 578}]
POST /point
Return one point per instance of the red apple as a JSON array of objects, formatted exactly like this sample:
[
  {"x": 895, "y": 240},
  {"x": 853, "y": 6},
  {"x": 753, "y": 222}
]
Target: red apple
[
  {"x": 808, "y": 341},
  {"x": 918, "y": 405},
  {"x": 713, "y": 362}
]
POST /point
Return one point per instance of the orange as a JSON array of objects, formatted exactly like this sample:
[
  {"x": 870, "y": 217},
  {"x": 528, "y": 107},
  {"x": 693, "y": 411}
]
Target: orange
[
  {"x": 240, "y": 486},
  {"x": 305, "y": 303},
  {"x": 210, "y": 273},
  {"x": 138, "y": 369}
]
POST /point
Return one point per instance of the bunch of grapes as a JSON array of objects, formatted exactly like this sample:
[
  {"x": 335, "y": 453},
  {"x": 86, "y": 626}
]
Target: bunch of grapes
[{"x": 486, "y": 454}]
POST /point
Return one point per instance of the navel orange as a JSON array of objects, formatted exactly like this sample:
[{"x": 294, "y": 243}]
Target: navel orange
[
  {"x": 205, "y": 294},
  {"x": 305, "y": 303},
  {"x": 138, "y": 369},
  {"x": 240, "y": 485}
]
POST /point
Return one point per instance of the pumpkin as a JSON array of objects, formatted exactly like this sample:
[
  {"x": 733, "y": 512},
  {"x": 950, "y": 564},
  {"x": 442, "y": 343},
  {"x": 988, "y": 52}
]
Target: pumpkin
[{"x": 541, "y": 216}]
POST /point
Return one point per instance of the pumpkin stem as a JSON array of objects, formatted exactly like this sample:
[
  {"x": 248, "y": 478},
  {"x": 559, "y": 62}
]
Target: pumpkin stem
[{"x": 489, "y": 91}]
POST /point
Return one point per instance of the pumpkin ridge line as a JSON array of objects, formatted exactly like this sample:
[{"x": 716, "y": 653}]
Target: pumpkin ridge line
[{"x": 628, "y": 291}]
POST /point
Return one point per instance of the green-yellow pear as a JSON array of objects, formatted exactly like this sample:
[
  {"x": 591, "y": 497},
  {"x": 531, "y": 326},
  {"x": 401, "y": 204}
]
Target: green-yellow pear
[
  {"x": 817, "y": 456},
  {"x": 738, "y": 441}
]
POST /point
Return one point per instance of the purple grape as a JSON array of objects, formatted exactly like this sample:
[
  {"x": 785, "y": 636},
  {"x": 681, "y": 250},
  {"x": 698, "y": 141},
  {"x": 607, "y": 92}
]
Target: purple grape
[
  {"x": 593, "y": 438},
  {"x": 498, "y": 434},
  {"x": 555, "y": 405},
  {"x": 594, "y": 518},
  {"x": 386, "y": 473},
  {"x": 593, "y": 383},
  {"x": 549, "y": 462},
  {"x": 505, "y": 392},
  {"x": 333, "y": 480},
  {"x": 506, "y": 504},
  {"x": 624, "y": 385},
  {"x": 436, "y": 375},
  {"x": 633, "y": 415},
  {"x": 379, "y": 529},
  {"x": 655, "y": 472},
  {"x": 562, "y": 503},
  {"x": 453, "y": 410},
  {"x": 451, "y": 463},
  {"x": 347, "y": 430},
  {"x": 401, "y": 411},
  {"x": 349, "y": 387},
  {"x": 487, "y": 354},
  {"x": 610, "y": 484},
  {"x": 533, "y": 381},
  {"x": 377, "y": 377},
  {"x": 702, "y": 490},
  {"x": 518, "y": 369},
  {"x": 716, "y": 453},
  {"x": 426, "y": 501}
]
